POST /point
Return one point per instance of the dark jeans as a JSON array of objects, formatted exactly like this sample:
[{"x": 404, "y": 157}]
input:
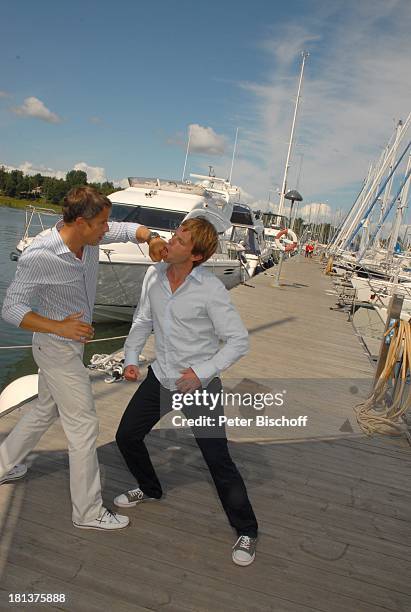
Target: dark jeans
[{"x": 143, "y": 412}]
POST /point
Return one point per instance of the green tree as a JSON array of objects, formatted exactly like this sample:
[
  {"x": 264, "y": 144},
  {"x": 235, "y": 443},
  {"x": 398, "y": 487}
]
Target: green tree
[
  {"x": 38, "y": 180},
  {"x": 75, "y": 178},
  {"x": 14, "y": 183},
  {"x": 55, "y": 189},
  {"x": 3, "y": 178},
  {"x": 105, "y": 188}
]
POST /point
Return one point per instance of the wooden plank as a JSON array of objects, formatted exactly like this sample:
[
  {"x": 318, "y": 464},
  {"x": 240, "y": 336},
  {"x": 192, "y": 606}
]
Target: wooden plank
[
  {"x": 289, "y": 580},
  {"x": 19, "y": 579},
  {"x": 148, "y": 581},
  {"x": 335, "y": 533}
]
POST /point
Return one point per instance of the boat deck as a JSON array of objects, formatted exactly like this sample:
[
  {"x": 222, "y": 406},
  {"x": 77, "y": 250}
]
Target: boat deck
[{"x": 333, "y": 505}]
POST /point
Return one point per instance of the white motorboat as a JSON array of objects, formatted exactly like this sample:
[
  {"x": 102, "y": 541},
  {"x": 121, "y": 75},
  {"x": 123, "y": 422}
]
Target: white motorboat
[
  {"x": 161, "y": 205},
  {"x": 248, "y": 231}
]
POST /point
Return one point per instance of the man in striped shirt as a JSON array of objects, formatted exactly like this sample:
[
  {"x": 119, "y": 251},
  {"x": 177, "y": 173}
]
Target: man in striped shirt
[{"x": 58, "y": 273}]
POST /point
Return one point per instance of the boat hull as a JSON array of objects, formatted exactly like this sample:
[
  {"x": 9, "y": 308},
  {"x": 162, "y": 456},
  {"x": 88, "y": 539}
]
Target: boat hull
[{"x": 119, "y": 286}]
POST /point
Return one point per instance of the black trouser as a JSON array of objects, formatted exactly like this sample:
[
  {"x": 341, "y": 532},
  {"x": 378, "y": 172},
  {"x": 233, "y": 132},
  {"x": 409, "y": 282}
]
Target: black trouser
[{"x": 143, "y": 412}]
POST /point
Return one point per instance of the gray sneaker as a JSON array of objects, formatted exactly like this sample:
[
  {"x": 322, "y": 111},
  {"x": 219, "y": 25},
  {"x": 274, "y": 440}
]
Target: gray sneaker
[
  {"x": 131, "y": 498},
  {"x": 244, "y": 550},
  {"x": 15, "y": 473}
]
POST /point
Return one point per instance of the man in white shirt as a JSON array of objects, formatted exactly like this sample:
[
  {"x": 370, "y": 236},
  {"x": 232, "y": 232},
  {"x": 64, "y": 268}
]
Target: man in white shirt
[
  {"x": 58, "y": 273},
  {"x": 191, "y": 312}
]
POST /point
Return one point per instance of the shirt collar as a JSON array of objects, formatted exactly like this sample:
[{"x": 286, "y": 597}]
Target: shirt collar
[
  {"x": 196, "y": 273},
  {"x": 59, "y": 245}
]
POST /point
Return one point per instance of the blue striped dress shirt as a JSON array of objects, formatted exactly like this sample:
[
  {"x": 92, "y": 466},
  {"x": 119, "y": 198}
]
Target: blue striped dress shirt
[{"x": 51, "y": 280}]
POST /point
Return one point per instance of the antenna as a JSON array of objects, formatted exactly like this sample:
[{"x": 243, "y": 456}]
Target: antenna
[
  {"x": 232, "y": 161},
  {"x": 188, "y": 148}
]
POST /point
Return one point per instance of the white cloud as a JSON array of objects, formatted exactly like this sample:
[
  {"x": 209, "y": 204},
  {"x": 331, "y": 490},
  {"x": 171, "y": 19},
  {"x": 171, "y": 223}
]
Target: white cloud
[
  {"x": 260, "y": 205},
  {"x": 4, "y": 94},
  {"x": 246, "y": 197},
  {"x": 318, "y": 212},
  {"x": 29, "y": 168},
  {"x": 205, "y": 140},
  {"x": 96, "y": 120},
  {"x": 355, "y": 89},
  {"x": 95, "y": 174},
  {"x": 33, "y": 107}
]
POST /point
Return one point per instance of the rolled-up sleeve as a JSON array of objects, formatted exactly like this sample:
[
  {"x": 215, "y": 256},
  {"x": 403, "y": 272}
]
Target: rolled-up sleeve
[
  {"x": 24, "y": 288},
  {"x": 230, "y": 329},
  {"x": 121, "y": 232}
]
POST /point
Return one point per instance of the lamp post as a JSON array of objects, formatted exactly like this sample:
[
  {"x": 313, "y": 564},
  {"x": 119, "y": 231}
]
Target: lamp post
[{"x": 294, "y": 196}]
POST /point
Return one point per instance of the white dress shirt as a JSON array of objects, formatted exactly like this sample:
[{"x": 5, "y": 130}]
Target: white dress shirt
[
  {"x": 51, "y": 280},
  {"x": 188, "y": 326}
]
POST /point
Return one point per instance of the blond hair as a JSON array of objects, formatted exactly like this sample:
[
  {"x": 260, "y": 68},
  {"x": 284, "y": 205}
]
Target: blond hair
[{"x": 203, "y": 236}]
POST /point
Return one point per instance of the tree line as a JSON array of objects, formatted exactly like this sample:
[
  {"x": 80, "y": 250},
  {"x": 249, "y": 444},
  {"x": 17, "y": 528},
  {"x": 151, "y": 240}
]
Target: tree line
[{"x": 16, "y": 184}]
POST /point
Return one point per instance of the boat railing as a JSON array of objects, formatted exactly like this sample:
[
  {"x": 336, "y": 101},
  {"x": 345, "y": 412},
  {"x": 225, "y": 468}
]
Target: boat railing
[
  {"x": 154, "y": 184},
  {"x": 36, "y": 212}
]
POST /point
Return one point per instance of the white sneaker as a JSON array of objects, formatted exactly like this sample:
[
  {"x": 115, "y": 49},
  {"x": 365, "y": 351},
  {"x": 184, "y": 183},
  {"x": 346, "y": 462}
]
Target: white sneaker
[
  {"x": 107, "y": 520},
  {"x": 244, "y": 550},
  {"x": 15, "y": 473},
  {"x": 131, "y": 498}
]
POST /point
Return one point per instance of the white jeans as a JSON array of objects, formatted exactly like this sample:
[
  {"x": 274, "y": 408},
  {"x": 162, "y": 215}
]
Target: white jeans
[{"x": 65, "y": 391}]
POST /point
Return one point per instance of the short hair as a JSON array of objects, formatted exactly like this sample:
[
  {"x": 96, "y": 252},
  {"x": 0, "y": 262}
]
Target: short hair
[
  {"x": 203, "y": 236},
  {"x": 84, "y": 201}
]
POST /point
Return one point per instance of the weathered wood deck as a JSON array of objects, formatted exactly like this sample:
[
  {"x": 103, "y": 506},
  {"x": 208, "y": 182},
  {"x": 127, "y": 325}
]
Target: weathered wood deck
[{"x": 333, "y": 506}]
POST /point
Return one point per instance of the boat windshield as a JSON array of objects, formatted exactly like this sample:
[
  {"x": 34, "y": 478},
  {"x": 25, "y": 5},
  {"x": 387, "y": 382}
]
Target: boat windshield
[
  {"x": 270, "y": 219},
  {"x": 155, "y": 218},
  {"x": 247, "y": 237},
  {"x": 242, "y": 217}
]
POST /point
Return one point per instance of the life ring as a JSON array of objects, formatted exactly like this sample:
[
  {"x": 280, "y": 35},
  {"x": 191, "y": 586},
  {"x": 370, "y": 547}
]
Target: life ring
[{"x": 288, "y": 245}]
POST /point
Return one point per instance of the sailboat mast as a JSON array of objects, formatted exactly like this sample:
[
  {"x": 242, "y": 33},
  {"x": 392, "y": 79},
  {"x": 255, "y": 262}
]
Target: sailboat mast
[
  {"x": 187, "y": 150},
  {"x": 232, "y": 161},
  {"x": 401, "y": 207},
  {"x": 304, "y": 55}
]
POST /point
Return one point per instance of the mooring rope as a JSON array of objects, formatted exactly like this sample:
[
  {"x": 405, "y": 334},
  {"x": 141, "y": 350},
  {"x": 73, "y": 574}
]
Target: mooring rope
[
  {"x": 374, "y": 415},
  {"x": 21, "y": 346}
]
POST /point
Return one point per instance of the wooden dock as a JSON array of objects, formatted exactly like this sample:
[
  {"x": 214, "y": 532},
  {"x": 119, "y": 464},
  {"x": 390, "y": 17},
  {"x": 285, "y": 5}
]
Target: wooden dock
[{"x": 333, "y": 506}]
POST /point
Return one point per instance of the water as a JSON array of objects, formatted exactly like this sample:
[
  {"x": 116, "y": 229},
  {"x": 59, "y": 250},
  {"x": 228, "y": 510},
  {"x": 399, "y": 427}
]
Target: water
[{"x": 16, "y": 363}]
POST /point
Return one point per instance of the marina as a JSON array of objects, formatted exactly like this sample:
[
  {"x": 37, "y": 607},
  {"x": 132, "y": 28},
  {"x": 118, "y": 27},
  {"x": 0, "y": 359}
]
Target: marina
[
  {"x": 204, "y": 221},
  {"x": 333, "y": 504}
]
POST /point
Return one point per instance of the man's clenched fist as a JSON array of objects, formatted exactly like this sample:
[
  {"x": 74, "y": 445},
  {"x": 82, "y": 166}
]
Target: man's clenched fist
[{"x": 131, "y": 373}]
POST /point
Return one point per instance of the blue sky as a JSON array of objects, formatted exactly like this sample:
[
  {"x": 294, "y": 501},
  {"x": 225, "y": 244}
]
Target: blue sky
[{"x": 112, "y": 87}]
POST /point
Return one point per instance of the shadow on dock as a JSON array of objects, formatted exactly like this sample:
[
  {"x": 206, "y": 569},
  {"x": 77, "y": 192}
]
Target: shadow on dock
[{"x": 334, "y": 512}]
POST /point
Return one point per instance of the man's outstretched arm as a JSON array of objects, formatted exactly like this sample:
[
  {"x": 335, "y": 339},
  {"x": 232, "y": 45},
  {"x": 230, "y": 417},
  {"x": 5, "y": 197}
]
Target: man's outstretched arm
[{"x": 133, "y": 232}]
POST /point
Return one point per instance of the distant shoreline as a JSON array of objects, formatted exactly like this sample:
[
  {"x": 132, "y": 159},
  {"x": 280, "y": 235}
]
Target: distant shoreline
[{"x": 22, "y": 204}]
